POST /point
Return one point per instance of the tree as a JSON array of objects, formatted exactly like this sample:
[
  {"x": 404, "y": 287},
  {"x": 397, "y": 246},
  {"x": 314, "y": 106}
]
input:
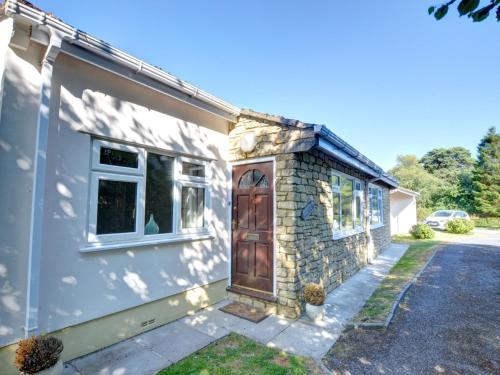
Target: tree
[
  {"x": 453, "y": 166},
  {"x": 447, "y": 162},
  {"x": 472, "y": 8},
  {"x": 486, "y": 180}
]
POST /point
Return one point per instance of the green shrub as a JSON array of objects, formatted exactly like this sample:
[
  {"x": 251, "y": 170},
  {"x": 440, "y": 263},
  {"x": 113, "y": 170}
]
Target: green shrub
[
  {"x": 422, "y": 232},
  {"x": 459, "y": 226}
]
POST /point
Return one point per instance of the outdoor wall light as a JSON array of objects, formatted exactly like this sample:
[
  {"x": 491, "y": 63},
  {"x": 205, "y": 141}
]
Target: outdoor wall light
[{"x": 248, "y": 142}]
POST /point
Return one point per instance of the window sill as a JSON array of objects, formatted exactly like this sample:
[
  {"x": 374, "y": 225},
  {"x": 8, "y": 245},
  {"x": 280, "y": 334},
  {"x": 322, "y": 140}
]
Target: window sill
[
  {"x": 94, "y": 247},
  {"x": 339, "y": 236},
  {"x": 376, "y": 226}
]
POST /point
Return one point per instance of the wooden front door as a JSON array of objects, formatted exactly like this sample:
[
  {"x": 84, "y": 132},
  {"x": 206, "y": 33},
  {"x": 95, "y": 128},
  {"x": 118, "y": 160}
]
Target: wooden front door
[{"x": 252, "y": 216}]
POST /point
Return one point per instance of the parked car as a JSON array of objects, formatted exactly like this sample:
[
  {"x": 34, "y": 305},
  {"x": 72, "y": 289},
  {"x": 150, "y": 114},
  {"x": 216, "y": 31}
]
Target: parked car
[{"x": 439, "y": 218}]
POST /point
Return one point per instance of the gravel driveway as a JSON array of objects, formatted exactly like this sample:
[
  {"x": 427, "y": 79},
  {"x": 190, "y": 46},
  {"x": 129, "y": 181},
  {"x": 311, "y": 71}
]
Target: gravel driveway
[{"x": 449, "y": 323}]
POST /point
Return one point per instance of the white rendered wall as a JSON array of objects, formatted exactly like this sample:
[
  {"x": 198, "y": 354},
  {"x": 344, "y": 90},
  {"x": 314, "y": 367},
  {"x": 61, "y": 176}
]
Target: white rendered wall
[
  {"x": 75, "y": 286},
  {"x": 403, "y": 213},
  {"x": 19, "y": 108}
]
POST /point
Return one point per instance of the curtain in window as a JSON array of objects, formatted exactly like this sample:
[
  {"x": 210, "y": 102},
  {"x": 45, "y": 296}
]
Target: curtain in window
[{"x": 192, "y": 207}]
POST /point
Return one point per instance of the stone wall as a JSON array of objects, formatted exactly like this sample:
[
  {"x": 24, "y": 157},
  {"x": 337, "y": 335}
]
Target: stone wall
[
  {"x": 382, "y": 236},
  {"x": 273, "y": 137},
  {"x": 305, "y": 250}
]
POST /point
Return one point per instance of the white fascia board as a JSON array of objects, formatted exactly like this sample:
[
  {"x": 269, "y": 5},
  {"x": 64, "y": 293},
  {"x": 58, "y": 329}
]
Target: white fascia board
[
  {"x": 330, "y": 149},
  {"x": 333, "y": 143},
  {"x": 404, "y": 191},
  {"x": 87, "y": 41}
]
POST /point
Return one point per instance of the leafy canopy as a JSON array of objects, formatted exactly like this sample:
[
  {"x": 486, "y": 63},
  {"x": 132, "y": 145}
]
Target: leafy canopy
[
  {"x": 486, "y": 177},
  {"x": 449, "y": 178},
  {"x": 454, "y": 167},
  {"x": 447, "y": 162},
  {"x": 472, "y": 8}
]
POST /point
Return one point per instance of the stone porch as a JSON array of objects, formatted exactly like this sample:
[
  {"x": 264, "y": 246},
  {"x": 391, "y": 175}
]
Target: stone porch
[{"x": 305, "y": 250}]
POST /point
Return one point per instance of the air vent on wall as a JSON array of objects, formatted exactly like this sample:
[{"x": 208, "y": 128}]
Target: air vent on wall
[{"x": 146, "y": 323}]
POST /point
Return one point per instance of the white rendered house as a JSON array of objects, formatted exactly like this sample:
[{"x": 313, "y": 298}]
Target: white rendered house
[
  {"x": 119, "y": 206},
  {"x": 403, "y": 210}
]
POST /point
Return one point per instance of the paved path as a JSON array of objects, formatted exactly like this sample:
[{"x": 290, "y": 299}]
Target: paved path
[
  {"x": 151, "y": 351},
  {"x": 449, "y": 323},
  {"x": 341, "y": 305}
]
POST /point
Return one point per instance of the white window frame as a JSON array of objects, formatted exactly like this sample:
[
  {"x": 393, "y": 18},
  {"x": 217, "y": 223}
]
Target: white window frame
[
  {"x": 94, "y": 194},
  {"x": 184, "y": 177},
  {"x": 207, "y": 208},
  {"x": 192, "y": 181},
  {"x": 97, "y": 144},
  {"x": 139, "y": 175},
  {"x": 380, "y": 203},
  {"x": 341, "y": 233},
  {"x": 173, "y": 234},
  {"x": 361, "y": 194}
]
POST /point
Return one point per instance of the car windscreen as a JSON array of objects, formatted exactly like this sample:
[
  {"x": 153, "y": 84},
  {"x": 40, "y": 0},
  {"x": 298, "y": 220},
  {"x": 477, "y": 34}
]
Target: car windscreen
[{"x": 442, "y": 213}]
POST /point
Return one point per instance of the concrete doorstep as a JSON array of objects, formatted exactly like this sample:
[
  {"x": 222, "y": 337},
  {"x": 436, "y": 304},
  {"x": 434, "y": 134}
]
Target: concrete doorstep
[{"x": 152, "y": 351}]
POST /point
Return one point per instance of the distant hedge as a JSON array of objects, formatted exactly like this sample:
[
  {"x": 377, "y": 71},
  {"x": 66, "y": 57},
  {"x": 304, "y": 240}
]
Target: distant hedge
[{"x": 487, "y": 222}]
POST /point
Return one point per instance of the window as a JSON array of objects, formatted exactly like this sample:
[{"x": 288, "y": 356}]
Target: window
[
  {"x": 116, "y": 206},
  {"x": 193, "y": 203},
  {"x": 253, "y": 178},
  {"x": 347, "y": 205},
  {"x": 336, "y": 202},
  {"x": 119, "y": 158},
  {"x": 346, "y": 194},
  {"x": 158, "y": 213},
  {"x": 193, "y": 194},
  {"x": 376, "y": 205},
  {"x": 133, "y": 194},
  {"x": 191, "y": 169},
  {"x": 358, "y": 211},
  {"x": 442, "y": 213},
  {"x": 359, "y": 207}
]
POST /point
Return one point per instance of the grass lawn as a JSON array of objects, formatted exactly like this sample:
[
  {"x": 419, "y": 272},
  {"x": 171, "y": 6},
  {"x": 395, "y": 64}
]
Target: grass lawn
[
  {"x": 441, "y": 236},
  {"x": 487, "y": 222},
  {"x": 236, "y": 354},
  {"x": 378, "y": 306}
]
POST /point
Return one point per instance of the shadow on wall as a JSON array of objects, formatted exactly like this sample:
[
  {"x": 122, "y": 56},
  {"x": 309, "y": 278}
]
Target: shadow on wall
[
  {"x": 17, "y": 138},
  {"x": 73, "y": 110}
]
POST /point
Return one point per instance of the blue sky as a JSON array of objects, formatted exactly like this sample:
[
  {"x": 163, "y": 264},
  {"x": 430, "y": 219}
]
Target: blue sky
[{"x": 383, "y": 75}]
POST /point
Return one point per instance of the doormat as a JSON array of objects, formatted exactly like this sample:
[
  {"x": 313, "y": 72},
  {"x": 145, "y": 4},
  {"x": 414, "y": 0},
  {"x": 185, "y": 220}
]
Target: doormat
[{"x": 242, "y": 310}]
